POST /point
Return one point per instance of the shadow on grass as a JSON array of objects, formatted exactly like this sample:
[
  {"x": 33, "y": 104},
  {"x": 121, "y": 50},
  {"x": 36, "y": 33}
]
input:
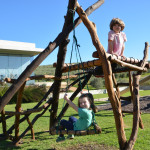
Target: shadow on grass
[
  {"x": 41, "y": 136},
  {"x": 104, "y": 115},
  {"x": 8, "y": 145}
]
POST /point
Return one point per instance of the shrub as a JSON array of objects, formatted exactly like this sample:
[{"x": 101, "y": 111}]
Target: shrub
[
  {"x": 98, "y": 83},
  {"x": 30, "y": 94},
  {"x": 33, "y": 93}
]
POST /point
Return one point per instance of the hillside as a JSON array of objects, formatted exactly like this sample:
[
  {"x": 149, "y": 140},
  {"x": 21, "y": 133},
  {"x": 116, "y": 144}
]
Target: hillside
[
  {"x": 45, "y": 69},
  {"x": 98, "y": 83}
]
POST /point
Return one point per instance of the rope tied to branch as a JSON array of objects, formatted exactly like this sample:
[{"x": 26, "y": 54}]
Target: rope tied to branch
[
  {"x": 76, "y": 46},
  {"x": 72, "y": 10}
]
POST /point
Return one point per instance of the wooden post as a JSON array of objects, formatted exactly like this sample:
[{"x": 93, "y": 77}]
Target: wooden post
[
  {"x": 82, "y": 65},
  {"x": 18, "y": 109},
  {"x": 35, "y": 107},
  {"x": 136, "y": 105},
  {"x": 31, "y": 127},
  {"x": 60, "y": 62},
  {"x": 3, "y": 122},
  {"x": 35, "y": 119},
  {"x": 116, "y": 105},
  {"x": 116, "y": 85},
  {"x": 141, "y": 82},
  {"x": 131, "y": 84},
  {"x": 136, "y": 113},
  {"x": 131, "y": 91}
]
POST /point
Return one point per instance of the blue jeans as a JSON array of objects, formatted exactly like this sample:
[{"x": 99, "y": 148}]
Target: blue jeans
[{"x": 68, "y": 124}]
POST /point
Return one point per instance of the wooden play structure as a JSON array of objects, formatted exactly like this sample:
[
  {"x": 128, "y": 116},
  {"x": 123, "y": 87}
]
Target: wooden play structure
[{"x": 101, "y": 66}]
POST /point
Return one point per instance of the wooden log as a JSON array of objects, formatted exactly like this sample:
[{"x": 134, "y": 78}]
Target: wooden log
[
  {"x": 131, "y": 91},
  {"x": 116, "y": 105},
  {"x": 144, "y": 61},
  {"x": 31, "y": 127},
  {"x": 82, "y": 66},
  {"x": 64, "y": 65},
  {"x": 60, "y": 62},
  {"x": 141, "y": 82},
  {"x": 35, "y": 119},
  {"x": 141, "y": 125},
  {"x": 6, "y": 117},
  {"x": 126, "y": 111},
  {"x": 131, "y": 84},
  {"x": 133, "y": 67},
  {"x": 78, "y": 133},
  {"x": 126, "y": 98},
  {"x": 112, "y": 57},
  {"x": 37, "y": 61},
  {"x": 136, "y": 107},
  {"x": 123, "y": 84},
  {"x": 116, "y": 85},
  {"x": 130, "y": 60},
  {"x": 3, "y": 122},
  {"x": 76, "y": 81},
  {"x": 136, "y": 113},
  {"x": 9, "y": 80},
  {"x": 18, "y": 109},
  {"x": 29, "y": 111},
  {"x": 35, "y": 107}
]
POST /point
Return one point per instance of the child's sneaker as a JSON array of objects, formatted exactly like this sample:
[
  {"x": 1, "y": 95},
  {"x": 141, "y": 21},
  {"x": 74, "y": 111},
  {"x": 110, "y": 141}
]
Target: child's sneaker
[
  {"x": 71, "y": 136},
  {"x": 60, "y": 139}
]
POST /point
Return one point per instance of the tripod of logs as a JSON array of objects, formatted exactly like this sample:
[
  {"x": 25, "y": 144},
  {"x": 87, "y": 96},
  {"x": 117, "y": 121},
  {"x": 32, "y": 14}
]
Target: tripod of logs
[{"x": 98, "y": 67}]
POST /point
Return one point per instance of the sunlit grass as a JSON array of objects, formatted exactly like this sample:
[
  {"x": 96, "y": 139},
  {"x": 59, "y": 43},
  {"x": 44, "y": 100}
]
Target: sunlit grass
[{"x": 105, "y": 119}]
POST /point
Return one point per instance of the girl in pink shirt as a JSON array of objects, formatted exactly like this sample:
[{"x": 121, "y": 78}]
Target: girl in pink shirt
[{"x": 116, "y": 38}]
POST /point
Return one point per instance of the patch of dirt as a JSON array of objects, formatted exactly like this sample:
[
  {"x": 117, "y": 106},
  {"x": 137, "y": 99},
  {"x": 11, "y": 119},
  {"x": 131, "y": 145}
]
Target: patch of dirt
[
  {"x": 91, "y": 147},
  {"x": 128, "y": 106}
]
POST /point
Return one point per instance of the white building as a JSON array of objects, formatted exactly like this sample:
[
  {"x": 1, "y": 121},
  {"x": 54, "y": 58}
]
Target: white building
[{"x": 15, "y": 57}]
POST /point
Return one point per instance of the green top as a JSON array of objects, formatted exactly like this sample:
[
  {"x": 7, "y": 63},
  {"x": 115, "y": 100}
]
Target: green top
[{"x": 85, "y": 119}]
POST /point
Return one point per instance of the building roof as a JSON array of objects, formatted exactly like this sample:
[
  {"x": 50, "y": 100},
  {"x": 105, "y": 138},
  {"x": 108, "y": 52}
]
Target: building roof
[{"x": 13, "y": 47}]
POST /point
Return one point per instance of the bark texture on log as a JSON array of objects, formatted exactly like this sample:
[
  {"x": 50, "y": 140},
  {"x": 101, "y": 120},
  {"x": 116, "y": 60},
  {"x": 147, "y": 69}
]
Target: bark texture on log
[
  {"x": 83, "y": 65},
  {"x": 36, "y": 107},
  {"x": 136, "y": 105},
  {"x": 116, "y": 105},
  {"x": 18, "y": 109},
  {"x": 60, "y": 62},
  {"x": 31, "y": 128},
  {"x": 34, "y": 120},
  {"x": 3, "y": 120},
  {"x": 136, "y": 113}
]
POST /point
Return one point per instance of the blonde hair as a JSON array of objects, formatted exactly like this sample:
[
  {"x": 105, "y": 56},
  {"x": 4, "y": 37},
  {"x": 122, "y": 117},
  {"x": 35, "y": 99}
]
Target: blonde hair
[{"x": 117, "y": 21}]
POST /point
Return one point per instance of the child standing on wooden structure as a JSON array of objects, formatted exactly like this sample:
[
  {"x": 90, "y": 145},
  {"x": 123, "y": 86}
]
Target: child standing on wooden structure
[
  {"x": 84, "y": 109},
  {"x": 116, "y": 38}
]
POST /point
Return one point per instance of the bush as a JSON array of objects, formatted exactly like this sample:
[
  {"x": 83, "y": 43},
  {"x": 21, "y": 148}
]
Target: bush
[
  {"x": 30, "y": 94},
  {"x": 98, "y": 83},
  {"x": 33, "y": 93}
]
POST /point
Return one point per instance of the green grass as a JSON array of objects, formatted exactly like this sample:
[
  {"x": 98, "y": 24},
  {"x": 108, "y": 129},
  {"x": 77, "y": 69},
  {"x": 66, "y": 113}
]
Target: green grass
[
  {"x": 105, "y": 120},
  {"x": 142, "y": 93}
]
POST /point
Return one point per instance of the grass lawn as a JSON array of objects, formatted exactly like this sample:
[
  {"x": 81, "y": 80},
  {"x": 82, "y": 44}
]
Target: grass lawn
[{"x": 105, "y": 119}]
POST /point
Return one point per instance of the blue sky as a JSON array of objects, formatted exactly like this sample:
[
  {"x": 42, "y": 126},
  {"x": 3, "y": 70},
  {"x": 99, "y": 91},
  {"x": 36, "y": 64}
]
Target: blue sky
[{"x": 40, "y": 21}]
